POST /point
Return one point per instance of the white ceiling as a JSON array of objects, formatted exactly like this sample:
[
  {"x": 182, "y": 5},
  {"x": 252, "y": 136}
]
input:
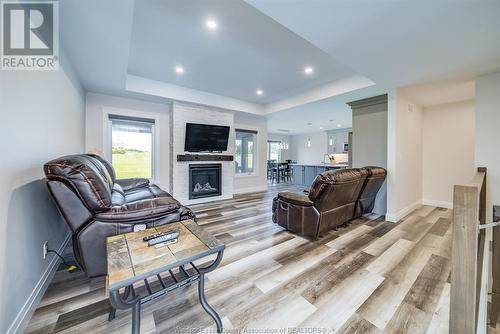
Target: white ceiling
[
  {"x": 130, "y": 48},
  {"x": 319, "y": 113},
  {"x": 247, "y": 51},
  {"x": 315, "y": 117},
  {"x": 326, "y": 114},
  {"x": 397, "y": 43},
  {"x": 95, "y": 37},
  {"x": 110, "y": 41}
]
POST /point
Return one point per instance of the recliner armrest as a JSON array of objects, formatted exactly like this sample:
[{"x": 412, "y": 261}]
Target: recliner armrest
[
  {"x": 187, "y": 213},
  {"x": 295, "y": 198},
  {"x": 132, "y": 183},
  {"x": 140, "y": 210}
]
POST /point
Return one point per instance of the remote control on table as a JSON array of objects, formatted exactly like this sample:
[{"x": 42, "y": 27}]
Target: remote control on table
[
  {"x": 156, "y": 235},
  {"x": 152, "y": 236},
  {"x": 166, "y": 243},
  {"x": 163, "y": 238}
]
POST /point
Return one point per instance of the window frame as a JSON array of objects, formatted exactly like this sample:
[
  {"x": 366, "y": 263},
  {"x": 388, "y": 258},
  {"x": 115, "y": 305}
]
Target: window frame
[
  {"x": 268, "y": 149},
  {"x": 255, "y": 151},
  {"x": 155, "y": 149}
]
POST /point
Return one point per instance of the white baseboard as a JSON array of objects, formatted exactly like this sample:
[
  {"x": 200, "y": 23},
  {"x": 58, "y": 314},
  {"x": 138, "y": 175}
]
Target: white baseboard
[
  {"x": 251, "y": 189},
  {"x": 395, "y": 217},
  {"x": 24, "y": 315},
  {"x": 207, "y": 199},
  {"x": 439, "y": 204}
]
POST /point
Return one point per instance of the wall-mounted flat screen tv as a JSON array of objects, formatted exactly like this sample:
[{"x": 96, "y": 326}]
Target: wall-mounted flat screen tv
[{"x": 206, "y": 138}]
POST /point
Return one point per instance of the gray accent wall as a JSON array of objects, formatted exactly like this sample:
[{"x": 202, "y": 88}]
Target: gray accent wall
[
  {"x": 42, "y": 117},
  {"x": 369, "y": 139}
]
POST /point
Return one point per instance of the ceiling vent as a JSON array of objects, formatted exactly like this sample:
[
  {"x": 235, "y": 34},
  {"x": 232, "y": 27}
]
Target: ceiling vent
[{"x": 283, "y": 130}]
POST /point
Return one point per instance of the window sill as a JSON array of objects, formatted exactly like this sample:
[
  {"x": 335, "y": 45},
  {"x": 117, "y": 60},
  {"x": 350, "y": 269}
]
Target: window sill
[{"x": 243, "y": 175}]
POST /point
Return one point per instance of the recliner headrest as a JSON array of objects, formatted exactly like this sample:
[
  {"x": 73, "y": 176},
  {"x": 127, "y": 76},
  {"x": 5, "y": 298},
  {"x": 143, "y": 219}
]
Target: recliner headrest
[
  {"x": 107, "y": 164},
  {"x": 86, "y": 175},
  {"x": 374, "y": 171},
  {"x": 333, "y": 177}
]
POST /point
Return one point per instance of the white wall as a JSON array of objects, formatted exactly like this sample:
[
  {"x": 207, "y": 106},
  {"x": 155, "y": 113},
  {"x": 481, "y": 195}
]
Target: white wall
[
  {"x": 97, "y": 105},
  {"x": 448, "y": 150},
  {"x": 488, "y": 135},
  {"x": 42, "y": 119},
  {"x": 404, "y": 160},
  {"x": 258, "y": 181},
  {"x": 309, "y": 155}
]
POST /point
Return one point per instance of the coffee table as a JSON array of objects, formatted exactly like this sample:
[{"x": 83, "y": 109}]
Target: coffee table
[{"x": 132, "y": 262}]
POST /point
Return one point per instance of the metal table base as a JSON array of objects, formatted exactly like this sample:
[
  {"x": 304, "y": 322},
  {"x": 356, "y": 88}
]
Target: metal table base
[{"x": 129, "y": 298}]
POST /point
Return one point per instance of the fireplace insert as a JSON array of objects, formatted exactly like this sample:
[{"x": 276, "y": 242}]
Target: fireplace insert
[{"x": 205, "y": 180}]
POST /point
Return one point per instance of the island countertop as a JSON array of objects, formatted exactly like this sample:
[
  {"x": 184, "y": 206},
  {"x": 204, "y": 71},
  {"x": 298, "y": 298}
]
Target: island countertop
[{"x": 322, "y": 164}]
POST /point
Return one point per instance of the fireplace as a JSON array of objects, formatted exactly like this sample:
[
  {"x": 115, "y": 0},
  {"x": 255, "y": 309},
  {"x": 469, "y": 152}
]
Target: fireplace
[{"x": 205, "y": 180}]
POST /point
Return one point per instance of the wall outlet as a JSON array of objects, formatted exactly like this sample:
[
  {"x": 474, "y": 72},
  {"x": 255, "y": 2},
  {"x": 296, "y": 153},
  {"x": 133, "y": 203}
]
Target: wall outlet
[{"x": 45, "y": 249}]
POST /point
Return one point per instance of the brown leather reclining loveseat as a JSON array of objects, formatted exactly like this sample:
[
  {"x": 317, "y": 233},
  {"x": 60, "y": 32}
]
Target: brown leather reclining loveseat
[
  {"x": 96, "y": 205},
  {"x": 335, "y": 198}
]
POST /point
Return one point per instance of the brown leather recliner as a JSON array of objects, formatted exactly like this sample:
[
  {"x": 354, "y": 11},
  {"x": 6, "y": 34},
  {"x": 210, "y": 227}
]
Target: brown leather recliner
[
  {"x": 96, "y": 205},
  {"x": 373, "y": 183},
  {"x": 332, "y": 201}
]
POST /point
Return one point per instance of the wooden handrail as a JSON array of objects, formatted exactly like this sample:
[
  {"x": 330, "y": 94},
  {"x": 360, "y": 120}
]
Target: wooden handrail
[
  {"x": 495, "y": 261},
  {"x": 468, "y": 250}
]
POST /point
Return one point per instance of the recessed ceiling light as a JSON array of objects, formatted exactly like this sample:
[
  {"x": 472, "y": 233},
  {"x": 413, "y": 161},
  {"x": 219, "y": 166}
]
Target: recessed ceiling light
[
  {"x": 339, "y": 125},
  {"x": 211, "y": 24},
  {"x": 308, "y": 70},
  {"x": 259, "y": 92},
  {"x": 321, "y": 128},
  {"x": 179, "y": 69}
]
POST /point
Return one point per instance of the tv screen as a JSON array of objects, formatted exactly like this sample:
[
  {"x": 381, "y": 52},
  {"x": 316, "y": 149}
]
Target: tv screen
[{"x": 206, "y": 138}]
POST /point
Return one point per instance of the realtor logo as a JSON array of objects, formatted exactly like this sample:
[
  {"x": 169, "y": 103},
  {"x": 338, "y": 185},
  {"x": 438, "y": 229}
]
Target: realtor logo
[{"x": 29, "y": 35}]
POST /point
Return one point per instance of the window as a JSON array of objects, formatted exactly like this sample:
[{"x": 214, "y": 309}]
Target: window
[
  {"x": 132, "y": 142},
  {"x": 273, "y": 151},
  {"x": 244, "y": 158}
]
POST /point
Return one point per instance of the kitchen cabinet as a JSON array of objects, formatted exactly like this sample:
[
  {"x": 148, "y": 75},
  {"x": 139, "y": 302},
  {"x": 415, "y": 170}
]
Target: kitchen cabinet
[
  {"x": 337, "y": 138},
  {"x": 320, "y": 170},
  {"x": 304, "y": 175},
  {"x": 298, "y": 175},
  {"x": 309, "y": 174}
]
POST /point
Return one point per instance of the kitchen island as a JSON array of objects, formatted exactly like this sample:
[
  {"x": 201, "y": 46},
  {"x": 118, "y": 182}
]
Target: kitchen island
[{"x": 304, "y": 174}]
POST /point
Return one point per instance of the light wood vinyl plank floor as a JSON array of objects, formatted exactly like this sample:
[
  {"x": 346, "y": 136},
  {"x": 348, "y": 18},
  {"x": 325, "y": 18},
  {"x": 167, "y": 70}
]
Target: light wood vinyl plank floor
[{"x": 371, "y": 276}]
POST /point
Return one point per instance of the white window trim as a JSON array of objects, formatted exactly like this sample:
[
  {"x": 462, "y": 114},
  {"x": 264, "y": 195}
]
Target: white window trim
[
  {"x": 256, "y": 171},
  {"x": 106, "y": 111},
  {"x": 267, "y": 149}
]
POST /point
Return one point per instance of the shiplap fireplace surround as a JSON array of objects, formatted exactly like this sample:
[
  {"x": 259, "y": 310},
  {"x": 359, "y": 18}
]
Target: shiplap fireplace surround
[{"x": 179, "y": 170}]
